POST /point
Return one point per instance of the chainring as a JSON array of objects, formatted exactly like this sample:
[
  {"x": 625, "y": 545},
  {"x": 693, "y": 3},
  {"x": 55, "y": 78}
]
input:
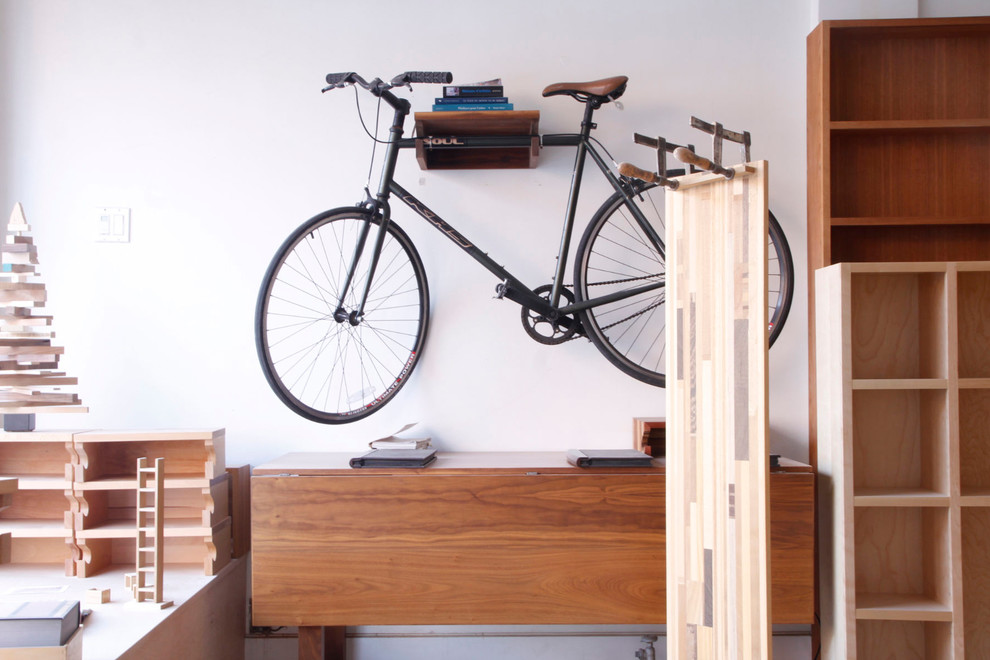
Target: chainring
[{"x": 546, "y": 330}]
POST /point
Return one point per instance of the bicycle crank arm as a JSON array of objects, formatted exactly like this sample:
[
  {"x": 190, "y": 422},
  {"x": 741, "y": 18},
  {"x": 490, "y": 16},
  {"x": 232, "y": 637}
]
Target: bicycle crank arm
[{"x": 526, "y": 298}]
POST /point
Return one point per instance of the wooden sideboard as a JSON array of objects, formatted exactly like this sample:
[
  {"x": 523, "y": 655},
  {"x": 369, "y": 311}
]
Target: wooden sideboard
[{"x": 484, "y": 538}]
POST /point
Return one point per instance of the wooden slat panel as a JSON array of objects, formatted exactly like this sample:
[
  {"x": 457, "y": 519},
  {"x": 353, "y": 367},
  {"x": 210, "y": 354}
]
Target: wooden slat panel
[{"x": 717, "y": 572}]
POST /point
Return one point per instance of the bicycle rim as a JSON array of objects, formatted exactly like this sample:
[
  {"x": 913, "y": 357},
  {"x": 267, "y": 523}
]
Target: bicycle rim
[
  {"x": 330, "y": 370},
  {"x": 780, "y": 278},
  {"x": 615, "y": 255}
]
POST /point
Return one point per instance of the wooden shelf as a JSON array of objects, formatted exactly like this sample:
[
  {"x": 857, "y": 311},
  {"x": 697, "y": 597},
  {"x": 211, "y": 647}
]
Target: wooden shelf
[
  {"x": 35, "y": 529},
  {"x": 899, "y": 497},
  {"x": 901, "y": 607},
  {"x": 125, "y": 529},
  {"x": 518, "y": 123},
  {"x": 126, "y": 482},
  {"x": 894, "y": 126}
]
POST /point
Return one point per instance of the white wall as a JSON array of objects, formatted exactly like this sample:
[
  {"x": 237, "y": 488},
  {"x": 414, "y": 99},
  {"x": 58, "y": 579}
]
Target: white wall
[{"x": 205, "y": 118}]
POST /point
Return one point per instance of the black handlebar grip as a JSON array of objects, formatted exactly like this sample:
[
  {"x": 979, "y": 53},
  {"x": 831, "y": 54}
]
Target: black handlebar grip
[
  {"x": 337, "y": 78},
  {"x": 430, "y": 77}
]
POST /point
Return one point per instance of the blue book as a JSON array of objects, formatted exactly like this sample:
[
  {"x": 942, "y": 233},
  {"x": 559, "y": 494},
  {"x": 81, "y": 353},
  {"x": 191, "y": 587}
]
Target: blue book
[
  {"x": 477, "y": 99},
  {"x": 473, "y": 90},
  {"x": 447, "y": 107}
]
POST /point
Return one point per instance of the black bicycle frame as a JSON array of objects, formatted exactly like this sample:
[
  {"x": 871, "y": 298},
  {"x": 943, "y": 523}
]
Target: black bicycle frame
[{"x": 510, "y": 286}]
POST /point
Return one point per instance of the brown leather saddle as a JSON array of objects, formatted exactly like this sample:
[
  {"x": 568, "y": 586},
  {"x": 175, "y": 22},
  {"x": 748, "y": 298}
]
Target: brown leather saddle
[{"x": 604, "y": 90}]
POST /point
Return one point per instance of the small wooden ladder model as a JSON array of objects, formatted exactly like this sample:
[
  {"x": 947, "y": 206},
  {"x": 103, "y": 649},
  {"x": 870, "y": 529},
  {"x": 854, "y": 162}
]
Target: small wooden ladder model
[{"x": 146, "y": 584}]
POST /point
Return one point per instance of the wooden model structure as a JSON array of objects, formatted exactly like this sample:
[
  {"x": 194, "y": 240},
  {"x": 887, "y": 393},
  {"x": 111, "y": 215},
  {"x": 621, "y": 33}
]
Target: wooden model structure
[
  {"x": 717, "y": 459},
  {"x": 29, "y": 383},
  {"x": 146, "y": 584},
  {"x": 76, "y": 500}
]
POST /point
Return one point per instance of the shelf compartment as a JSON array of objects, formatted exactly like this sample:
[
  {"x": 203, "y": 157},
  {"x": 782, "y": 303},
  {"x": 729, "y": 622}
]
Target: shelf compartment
[
  {"x": 34, "y": 459},
  {"x": 892, "y": 174},
  {"x": 211, "y": 551},
  {"x": 901, "y": 559},
  {"x": 903, "y": 442},
  {"x": 898, "y": 325},
  {"x": 910, "y": 72},
  {"x": 904, "y": 640},
  {"x": 113, "y": 455},
  {"x": 517, "y": 123},
  {"x": 974, "y": 324},
  {"x": 976, "y": 582},
  {"x": 47, "y": 506},
  {"x": 940, "y": 241},
  {"x": 40, "y": 550},
  {"x": 209, "y": 506},
  {"x": 974, "y": 441}
]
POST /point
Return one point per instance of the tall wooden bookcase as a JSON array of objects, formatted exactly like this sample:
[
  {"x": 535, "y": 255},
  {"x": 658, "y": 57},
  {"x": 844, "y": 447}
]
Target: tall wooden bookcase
[
  {"x": 898, "y": 145},
  {"x": 904, "y": 459}
]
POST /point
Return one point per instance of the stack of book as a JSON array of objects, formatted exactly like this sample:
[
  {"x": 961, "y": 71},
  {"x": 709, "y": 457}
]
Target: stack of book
[{"x": 488, "y": 95}]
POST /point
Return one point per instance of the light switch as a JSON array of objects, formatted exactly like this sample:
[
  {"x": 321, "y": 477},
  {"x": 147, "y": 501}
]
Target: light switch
[{"x": 113, "y": 224}]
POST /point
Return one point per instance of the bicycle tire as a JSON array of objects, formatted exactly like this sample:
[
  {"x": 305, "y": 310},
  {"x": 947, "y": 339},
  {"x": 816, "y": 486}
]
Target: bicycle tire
[
  {"x": 329, "y": 370},
  {"x": 780, "y": 277},
  {"x": 615, "y": 254}
]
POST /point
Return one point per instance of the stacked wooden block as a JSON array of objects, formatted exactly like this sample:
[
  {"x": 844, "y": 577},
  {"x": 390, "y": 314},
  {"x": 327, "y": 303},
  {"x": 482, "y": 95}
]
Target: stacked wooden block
[
  {"x": 28, "y": 360},
  {"x": 77, "y": 502}
]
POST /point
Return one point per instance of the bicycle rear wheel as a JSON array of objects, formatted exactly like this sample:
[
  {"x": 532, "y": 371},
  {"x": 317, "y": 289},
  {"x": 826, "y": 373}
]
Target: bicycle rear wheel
[
  {"x": 615, "y": 255},
  {"x": 333, "y": 367}
]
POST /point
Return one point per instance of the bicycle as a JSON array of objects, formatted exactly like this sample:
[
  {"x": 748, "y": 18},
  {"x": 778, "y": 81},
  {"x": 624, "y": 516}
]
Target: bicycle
[{"x": 343, "y": 311}]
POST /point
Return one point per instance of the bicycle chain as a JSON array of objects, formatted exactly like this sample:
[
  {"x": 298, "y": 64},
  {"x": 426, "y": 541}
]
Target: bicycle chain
[{"x": 631, "y": 316}]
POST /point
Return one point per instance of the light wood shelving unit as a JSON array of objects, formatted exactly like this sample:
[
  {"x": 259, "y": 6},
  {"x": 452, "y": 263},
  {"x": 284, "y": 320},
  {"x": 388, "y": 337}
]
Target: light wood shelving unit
[
  {"x": 904, "y": 459},
  {"x": 898, "y": 145}
]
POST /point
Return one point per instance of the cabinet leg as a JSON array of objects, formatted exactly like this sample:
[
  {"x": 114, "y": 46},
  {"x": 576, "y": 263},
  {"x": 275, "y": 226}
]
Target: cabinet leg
[{"x": 322, "y": 643}]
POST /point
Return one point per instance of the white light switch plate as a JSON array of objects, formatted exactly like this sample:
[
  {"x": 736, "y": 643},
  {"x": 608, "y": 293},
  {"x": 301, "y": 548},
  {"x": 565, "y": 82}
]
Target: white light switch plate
[{"x": 113, "y": 224}]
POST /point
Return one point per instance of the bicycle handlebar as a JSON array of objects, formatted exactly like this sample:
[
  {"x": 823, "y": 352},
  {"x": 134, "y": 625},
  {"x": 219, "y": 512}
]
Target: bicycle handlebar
[
  {"x": 378, "y": 86},
  {"x": 429, "y": 77}
]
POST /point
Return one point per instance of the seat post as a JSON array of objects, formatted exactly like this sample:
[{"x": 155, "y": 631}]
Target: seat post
[{"x": 587, "y": 124}]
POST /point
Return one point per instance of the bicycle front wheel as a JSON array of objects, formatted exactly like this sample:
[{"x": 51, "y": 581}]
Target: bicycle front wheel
[
  {"x": 324, "y": 362},
  {"x": 616, "y": 255}
]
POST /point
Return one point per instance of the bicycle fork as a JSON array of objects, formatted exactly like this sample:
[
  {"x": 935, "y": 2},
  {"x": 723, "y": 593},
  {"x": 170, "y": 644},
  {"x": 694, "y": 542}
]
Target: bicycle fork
[{"x": 354, "y": 317}]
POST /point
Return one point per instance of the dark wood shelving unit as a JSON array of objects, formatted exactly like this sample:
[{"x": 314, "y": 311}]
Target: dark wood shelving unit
[
  {"x": 511, "y": 123},
  {"x": 898, "y": 146}
]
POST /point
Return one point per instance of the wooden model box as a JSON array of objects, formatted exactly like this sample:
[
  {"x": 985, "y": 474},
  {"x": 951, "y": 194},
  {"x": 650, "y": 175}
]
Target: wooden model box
[{"x": 76, "y": 497}]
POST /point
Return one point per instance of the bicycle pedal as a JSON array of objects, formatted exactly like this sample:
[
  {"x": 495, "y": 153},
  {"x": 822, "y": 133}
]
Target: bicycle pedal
[{"x": 501, "y": 289}]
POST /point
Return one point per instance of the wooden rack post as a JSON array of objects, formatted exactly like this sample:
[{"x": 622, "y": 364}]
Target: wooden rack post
[
  {"x": 150, "y": 518},
  {"x": 718, "y": 603}
]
